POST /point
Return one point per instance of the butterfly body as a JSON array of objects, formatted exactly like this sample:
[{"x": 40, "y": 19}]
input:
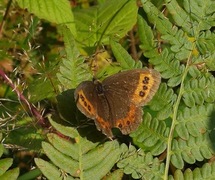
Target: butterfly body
[{"x": 117, "y": 100}]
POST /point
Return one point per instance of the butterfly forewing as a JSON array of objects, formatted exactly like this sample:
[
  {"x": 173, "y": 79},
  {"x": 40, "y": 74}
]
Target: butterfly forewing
[
  {"x": 85, "y": 95},
  {"x": 126, "y": 114},
  {"x": 117, "y": 101}
]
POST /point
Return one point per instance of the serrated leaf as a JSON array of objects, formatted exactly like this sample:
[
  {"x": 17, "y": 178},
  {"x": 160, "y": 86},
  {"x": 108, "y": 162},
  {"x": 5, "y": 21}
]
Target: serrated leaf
[
  {"x": 197, "y": 91},
  {"x": 194, "y": 121},
  {"x": 140, "y": 165},
  {"x": 68, "y": 131},
  {"x": 181, "y": 44},
  {"x": 73, "y": 70},
  {"x": 186, "y": 150},
  {"x": 180, "y": 16},
  {"x": 55, "y": 11},
  {"x": 108, "y": 20},
  {"x": 122, "y": 56},
  {"x": 156, "y": 17},
  {"x": 202, "y": 12},
  {"x": 206, "y": 43},
  {"x": 210, "y": 63},
  {"x": 169, "y": 67},
  {"x": 207, "y": 171},
  {"x": 146, "y": 38},
  {"x": 151, "y": 134},
  {"x": 64, "y": 162},
  {"x": 79, "y": 157},
  {"x": 163, "y": 101}
]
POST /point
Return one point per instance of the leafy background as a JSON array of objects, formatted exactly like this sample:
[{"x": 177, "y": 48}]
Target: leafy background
[{"x": 48, "y": 47}]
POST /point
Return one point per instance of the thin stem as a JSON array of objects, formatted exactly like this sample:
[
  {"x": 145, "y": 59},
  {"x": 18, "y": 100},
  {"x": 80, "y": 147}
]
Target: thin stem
[
  {"x": 174, "y": 119},
  {"x": 4, "y": 18},
  {"x": 133, "y": 45},
  {"x": 22, "y": 98}
]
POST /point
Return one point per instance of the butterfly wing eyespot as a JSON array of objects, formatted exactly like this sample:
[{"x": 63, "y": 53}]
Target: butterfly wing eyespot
[
  {"x": 84, "y": 96},
  {"x": 146, "y": 88},
  {"x": 119, "y": 104}
]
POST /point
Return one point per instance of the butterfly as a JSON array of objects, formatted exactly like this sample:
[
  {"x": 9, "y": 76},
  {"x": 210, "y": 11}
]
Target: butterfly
[{"x": 117, "y": 101}]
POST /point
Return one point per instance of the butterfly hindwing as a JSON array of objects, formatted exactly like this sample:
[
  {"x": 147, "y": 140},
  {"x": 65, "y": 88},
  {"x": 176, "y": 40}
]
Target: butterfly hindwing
[{"x": 117, "y": 101}]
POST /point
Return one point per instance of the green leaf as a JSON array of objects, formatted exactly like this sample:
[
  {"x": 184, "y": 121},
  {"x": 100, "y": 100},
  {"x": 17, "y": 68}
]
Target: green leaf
[
  {"x": 116, "y": 175},
  {"x": 194, "y": 121},
  {"x": 73, "y": 70},
  {"x": 26, "y": 136},
  {"x": 42, "y": 88},
  {"x": 122, "y": 56},
  {"x": 207, "y": 171},
  {"x": 11, "y": 174},
  {"x": 191, "y": 150},
  {"x": 206, "y": 44},
  {"x": 65, "y": 163},
  {"x": 151, "y": 135},
  {"x": 1, "y": 149},
  {"x": 180, "y": 16},
  {"x": 55, "y": 11},
  {"x": 146, "y": 36},
  {"x": 199, "y": 90},
  {"x": 48, "y": 169},
  {"x": 139, "y": 164},
  {"x": 163, "y": 101},
  {"x": 169, "y": 67},
  {"x": 79, "y": 157},
  {"x": 32, "y": 174},
  {"x": 181, "y": 43},
  {"x": 5, "y": 164},
  {"x": 202, "y": 12},
  {"x": 113, "y": 18}
]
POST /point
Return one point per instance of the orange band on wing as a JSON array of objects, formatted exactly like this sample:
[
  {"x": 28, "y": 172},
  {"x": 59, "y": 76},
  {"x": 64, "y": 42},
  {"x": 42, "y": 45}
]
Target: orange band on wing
[
  {"x": 145, "y": 90},
  {"x": 131, "y": 121},
  {"x": 104, "y": 126},
  {"x": 85, "y": 105}
]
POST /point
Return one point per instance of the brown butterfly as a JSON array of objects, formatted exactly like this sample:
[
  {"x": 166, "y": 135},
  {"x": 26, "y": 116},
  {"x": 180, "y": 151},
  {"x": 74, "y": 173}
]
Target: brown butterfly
[{"x": 117, "y": 100}]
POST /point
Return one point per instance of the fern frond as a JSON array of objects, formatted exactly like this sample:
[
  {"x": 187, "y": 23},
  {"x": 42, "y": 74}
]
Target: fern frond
[
  {"x": 123, "y": 58},
  {"x": 73, "y": 70},
  {"x": 206, "y": 43},
  {"x": 202, "y": 13},
  {"x": 169, "y": 67},
  {"x": 151, "y": 135},
  {"x": 199, "y": 90},
  {"x": 163, "y": 102},
  {"x": 191, "y": 150},
  {"x": 207, "y": 171},
  {"x": 180, "y": 16},
  {"x": 194, "y": 121},
  {"x": 180, "y": 43},
  {"x": 146, "y": 36},
  {"x": 139, "y": 164},
  {"x": 79, "y": 157}
]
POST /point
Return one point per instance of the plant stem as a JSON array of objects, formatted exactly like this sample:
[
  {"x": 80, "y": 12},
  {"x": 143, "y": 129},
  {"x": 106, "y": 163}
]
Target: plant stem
[
  {"x": 174, "y": 119},
  {"x": 22, "y": 98}
]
